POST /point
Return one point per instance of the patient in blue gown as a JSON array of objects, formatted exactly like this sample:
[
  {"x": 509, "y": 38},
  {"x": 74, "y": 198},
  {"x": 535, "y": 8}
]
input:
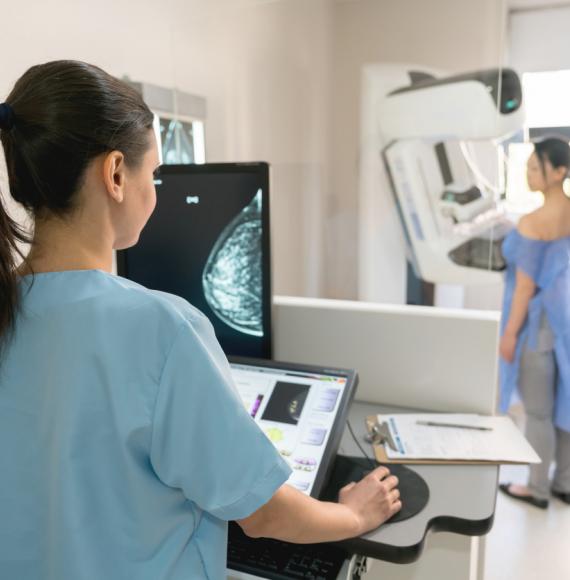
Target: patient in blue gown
[{"x": 535, "y": 326}]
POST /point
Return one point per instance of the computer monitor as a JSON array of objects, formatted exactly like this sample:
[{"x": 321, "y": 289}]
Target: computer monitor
[
  {"x": 208, "y": 242},
  {"x": 302, "y": 409}
]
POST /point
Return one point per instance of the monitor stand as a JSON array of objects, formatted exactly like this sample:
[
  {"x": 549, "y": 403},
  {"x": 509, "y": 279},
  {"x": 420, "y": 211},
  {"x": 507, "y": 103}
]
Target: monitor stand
[{"x": 414, "y": 491}]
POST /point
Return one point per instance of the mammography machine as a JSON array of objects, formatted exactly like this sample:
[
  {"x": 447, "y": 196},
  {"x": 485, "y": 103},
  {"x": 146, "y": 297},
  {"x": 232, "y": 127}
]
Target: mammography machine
[{"x": 431, "y": 140}]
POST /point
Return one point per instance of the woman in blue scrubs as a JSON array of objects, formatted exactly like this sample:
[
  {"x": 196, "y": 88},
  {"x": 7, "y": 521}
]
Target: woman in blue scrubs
[
  {"x": 535, "y": 341},
  {"x": 124, "y": 446}
]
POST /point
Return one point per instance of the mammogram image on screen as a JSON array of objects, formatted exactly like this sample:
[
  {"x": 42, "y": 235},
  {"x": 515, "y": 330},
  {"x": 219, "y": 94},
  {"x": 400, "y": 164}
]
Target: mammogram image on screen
[
  {"x": 286, "y": 403},
  {"x": 232, "y": 277}
]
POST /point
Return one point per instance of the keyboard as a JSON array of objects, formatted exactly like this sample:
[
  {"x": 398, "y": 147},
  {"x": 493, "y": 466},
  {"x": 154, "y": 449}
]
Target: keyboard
[{"x": 278, "y": 560}]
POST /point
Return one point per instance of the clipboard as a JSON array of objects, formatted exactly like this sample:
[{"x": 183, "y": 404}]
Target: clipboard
[{"x": 379, "y": 436}]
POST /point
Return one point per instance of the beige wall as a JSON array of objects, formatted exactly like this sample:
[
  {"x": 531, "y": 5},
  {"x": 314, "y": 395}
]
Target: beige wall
[
  {"x": 262, "y": 66},
  {"x": 454, "y": 35},
  {"x": 282, "y": 82}
]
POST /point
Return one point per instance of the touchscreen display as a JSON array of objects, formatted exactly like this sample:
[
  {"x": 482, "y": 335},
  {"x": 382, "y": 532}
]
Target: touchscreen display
[{"x": 296, "y": 411}]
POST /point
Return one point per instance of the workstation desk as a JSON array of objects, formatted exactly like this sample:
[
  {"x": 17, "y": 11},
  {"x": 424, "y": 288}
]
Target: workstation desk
[
  {"x": 462, "y": 500},
  {"x": 422, "y": 359}
]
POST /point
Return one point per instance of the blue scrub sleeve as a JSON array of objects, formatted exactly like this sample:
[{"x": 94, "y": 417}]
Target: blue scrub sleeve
[
  {"x": 204, "y": 442},
  {"x": 529, "y": 258}
]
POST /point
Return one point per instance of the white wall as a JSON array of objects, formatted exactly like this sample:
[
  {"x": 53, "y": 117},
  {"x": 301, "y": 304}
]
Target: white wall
[
  {"x": 539, "y": 39},
  {"x": 262, "y": 66},
  {"x": 453, "y": 35}
]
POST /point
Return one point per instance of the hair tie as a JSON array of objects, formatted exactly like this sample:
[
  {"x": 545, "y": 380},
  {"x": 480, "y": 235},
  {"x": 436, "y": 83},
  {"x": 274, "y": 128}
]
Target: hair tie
[{"x": 6, "y": 116}]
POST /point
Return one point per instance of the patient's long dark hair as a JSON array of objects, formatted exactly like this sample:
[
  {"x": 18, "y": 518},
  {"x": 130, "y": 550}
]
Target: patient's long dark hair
[
  {"x": 58, "y": 117},
  {"x": 555, "y": 150}
]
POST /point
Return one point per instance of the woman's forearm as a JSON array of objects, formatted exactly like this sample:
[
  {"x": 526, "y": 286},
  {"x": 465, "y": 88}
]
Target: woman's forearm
[
  {"x": 294, "y": 517},
  {"x": 362, "y": 506},
  {"x": 523, "y": 293}
]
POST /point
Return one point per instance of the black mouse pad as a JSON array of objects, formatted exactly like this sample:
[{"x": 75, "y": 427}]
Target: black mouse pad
[{"x": 414, "y": 491}]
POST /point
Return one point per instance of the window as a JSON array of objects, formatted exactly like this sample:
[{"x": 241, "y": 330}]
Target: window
[
  {"x": 546, "y": 98},
  {"x": 547, "y": 95},
  {"x": 182, "y": 141},
  {"x": 178, "y": 122}
]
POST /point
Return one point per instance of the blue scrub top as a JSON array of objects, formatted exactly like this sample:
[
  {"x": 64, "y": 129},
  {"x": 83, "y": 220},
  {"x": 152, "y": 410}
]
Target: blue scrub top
[
  {"x": 548, "y": 264},
  {"x": 124, "y": 446}
]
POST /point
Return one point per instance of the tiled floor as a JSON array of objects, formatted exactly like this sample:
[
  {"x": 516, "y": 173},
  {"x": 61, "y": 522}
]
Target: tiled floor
[{"x": 527, "y": 543}]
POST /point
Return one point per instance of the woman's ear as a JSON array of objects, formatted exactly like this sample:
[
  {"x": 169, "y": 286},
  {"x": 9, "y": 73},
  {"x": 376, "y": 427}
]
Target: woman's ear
[
  {"x": 560, "y": 173},
  {"x": 114, "y": 175}
]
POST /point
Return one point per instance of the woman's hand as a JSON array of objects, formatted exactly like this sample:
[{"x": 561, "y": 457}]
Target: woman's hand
[
  {"x": 292, "y": 516},
  {"x": 507, "y": 346},
  {"x": 373, "y": 500}
]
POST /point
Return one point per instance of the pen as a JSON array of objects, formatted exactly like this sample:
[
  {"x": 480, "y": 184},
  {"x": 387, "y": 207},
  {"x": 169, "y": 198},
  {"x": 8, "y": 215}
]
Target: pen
[{"x": 455, "y": 425}]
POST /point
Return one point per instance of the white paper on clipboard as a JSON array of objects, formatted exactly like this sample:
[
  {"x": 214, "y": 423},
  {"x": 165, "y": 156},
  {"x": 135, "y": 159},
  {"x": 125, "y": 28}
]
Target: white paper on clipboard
[{"x": 504, "y": 444}]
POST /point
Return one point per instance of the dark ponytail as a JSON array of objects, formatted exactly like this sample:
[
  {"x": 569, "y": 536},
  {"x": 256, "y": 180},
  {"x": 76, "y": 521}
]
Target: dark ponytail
[
  {"x": 10, "y": 235},
  {"x": 58, "y": 117}
]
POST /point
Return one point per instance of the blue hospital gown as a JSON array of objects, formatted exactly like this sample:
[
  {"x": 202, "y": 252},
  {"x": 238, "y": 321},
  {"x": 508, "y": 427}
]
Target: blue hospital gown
[
  {"x": 548, "y": 264},
  {"x": 123, "y": 444}
]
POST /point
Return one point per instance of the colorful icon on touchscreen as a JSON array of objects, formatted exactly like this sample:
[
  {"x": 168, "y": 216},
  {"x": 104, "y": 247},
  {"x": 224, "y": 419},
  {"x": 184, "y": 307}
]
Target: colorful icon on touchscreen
[
  {"x": 314, "y": 436},
  {"x": 301, "y": 485},
  {"x": 327, "y": 400},
  {"x": 275, "y": 435},
  {"x": 305, "y": 464},
  {"x": 256, "y": 405}
]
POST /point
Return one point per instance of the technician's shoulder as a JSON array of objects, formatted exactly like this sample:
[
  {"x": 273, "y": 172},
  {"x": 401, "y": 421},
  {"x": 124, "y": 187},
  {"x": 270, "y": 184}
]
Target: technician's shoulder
[{"x": 153, "y": 304}]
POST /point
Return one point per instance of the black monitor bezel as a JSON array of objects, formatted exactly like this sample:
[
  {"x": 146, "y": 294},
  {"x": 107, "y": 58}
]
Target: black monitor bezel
[
  {"x": 341, "y": 418},
  {"x": 261, "y": 168}
]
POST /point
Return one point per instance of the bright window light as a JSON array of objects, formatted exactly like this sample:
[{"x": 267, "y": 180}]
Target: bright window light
[
  {"x": 547, "y": 104},
  {"x": 547, "y": 98},
  {"x": 519, "y": 198}
]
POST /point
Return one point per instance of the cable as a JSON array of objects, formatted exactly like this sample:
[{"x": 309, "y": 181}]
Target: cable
[
  {"x": 370, "y": 460},
  {"x": 478, "y": 174}
]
